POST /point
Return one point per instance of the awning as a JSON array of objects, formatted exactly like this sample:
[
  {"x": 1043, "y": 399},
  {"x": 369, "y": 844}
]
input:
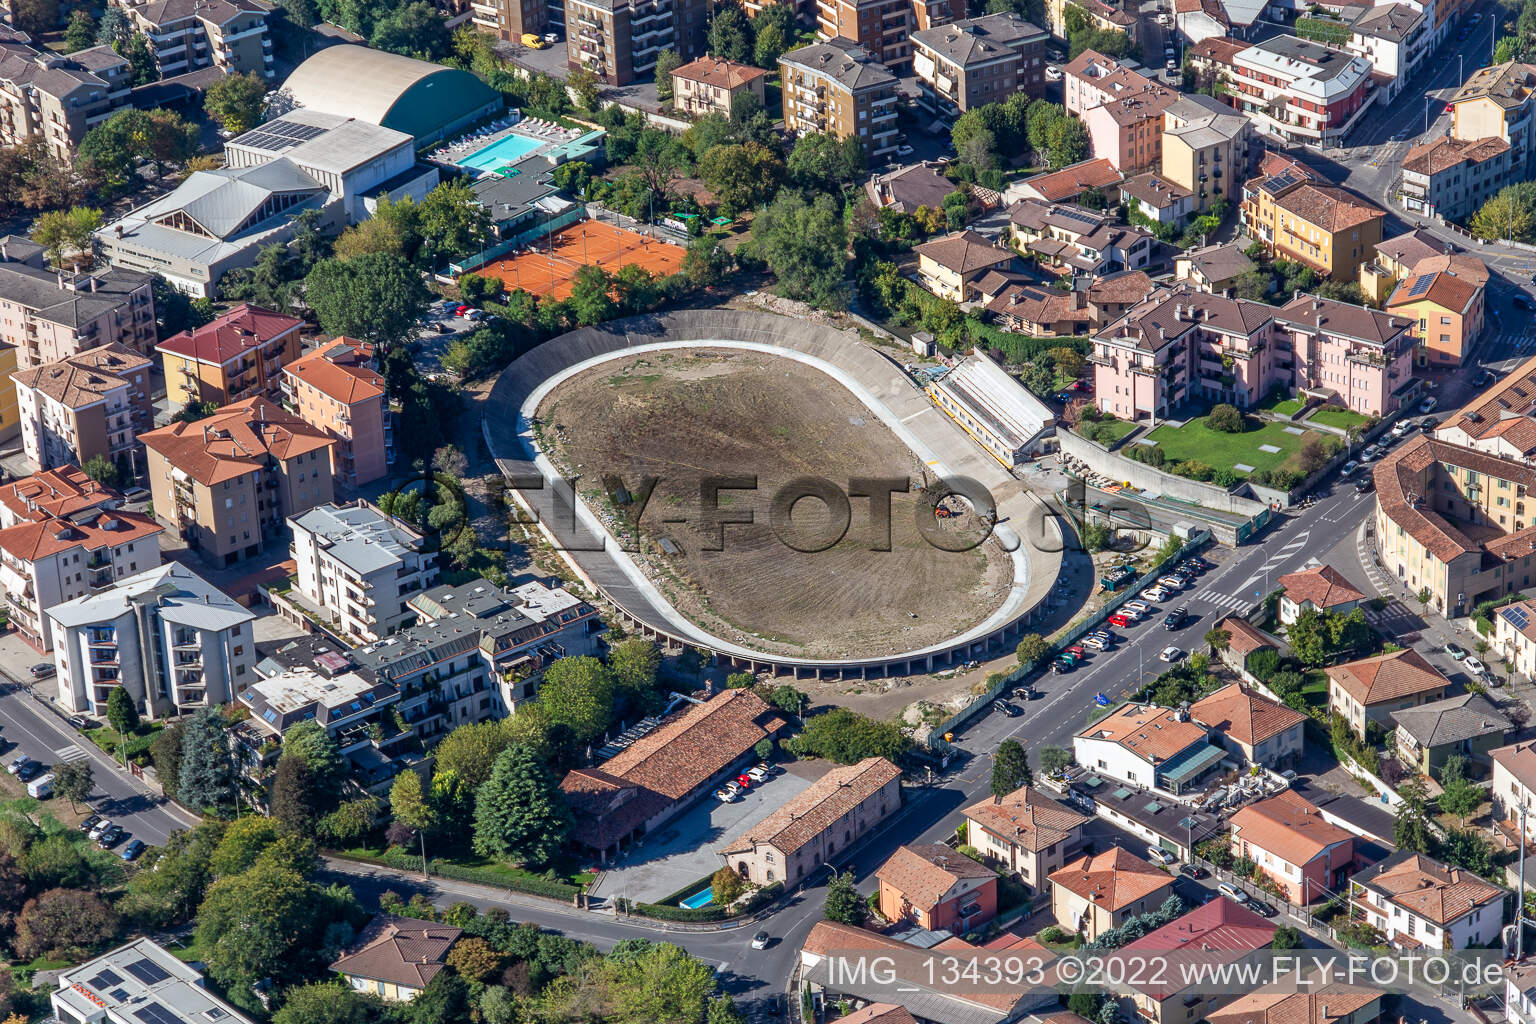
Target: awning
[{"x": 1190, "y": 764}]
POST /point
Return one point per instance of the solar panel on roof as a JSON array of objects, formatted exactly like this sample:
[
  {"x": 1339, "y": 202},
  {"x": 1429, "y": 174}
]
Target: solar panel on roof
[
  {"x": 1516, "y": 617},
  {"x": 1421, "y": 285},
  {"x": 147, "y": 971},
  {"x": 105, "y": 980},
  {"x": 154, "y": 1013}
]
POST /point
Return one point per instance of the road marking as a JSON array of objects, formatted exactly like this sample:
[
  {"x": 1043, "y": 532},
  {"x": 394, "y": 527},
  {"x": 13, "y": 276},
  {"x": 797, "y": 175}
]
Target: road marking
[{"x": 70, "y": 753}]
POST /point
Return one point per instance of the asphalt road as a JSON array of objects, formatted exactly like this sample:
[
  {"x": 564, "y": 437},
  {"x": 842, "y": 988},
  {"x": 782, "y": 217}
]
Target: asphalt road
[{"x": 42, "y": 735}]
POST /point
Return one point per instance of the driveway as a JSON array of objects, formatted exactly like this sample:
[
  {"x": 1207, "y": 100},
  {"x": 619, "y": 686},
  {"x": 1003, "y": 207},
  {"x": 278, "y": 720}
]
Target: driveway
[{"x": 683, "y": 850}]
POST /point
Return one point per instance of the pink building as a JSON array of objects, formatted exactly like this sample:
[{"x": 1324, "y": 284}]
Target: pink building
[
  {"x": 1287, "y": 838},
  {"x": 1092, "y": 78},
  {"x": 1128, "y": 130},
  {"x": 336, "y": 389},
  {"x": 1183, "y": 345}
]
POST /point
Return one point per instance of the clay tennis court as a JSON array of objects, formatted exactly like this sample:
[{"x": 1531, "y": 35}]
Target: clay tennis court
[{"x": 548, "y": 265}]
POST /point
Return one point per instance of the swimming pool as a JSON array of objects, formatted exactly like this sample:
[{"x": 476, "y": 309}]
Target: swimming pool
[
  {"x": 699, "y": 899},
  {"x": 508, "y": 149}
]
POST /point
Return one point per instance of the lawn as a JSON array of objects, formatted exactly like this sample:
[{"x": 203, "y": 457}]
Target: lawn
[
  {"x": 1111, "y": 431},
  {"x": 1196, "y": 440},
  {"x": 1341, "y": 419},
  {"x": 1280, "y": 406}
]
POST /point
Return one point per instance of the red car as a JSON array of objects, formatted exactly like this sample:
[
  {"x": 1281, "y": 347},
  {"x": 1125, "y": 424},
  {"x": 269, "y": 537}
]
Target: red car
[
  {"x": 460, "y": 310},
  {"x": 744, "y": 781},
  {"x": 1119, "y": 620},
  {"x": 1450, "y": 108},
  {"x": 1076, "y": 650}
]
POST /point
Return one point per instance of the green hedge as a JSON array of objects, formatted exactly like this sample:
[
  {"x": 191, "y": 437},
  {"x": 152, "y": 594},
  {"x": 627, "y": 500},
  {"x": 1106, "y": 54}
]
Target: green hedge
[
  {"x": 533, "y": 885},
  {"x": 687, "y": 890},
  {"x": 764, "y": 896}
]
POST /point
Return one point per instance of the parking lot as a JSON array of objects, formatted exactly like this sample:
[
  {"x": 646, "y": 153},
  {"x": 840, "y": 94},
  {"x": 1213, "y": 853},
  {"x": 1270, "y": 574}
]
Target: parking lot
[
  {"x": 431, "y": 342},
  {"x": 683, "y": 850}
]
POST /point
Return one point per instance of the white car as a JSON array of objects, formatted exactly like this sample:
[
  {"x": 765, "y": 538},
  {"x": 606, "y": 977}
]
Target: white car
[
  {"x": 1428, "y": 405},
  {"x": 1139, "y": 607},
  {"x": 1169, "y": 584},
  {"x": 1160, "y": 855},
  {"x": 1474, "y": 666},
  {"x": 1402, "y": 428},
  {"x": 1052, "y": 73},
  {"x": 100, "y": 827},
  {"x": 1155, "y": 594},
  {"x": 17, "y": 764},
  {"x": 760, "y": 940},
  {"x": 904, "y": 150},
  {"x": 1093, "y": 643},
  {"x": 1171, "y": 655},
  {"x": 1233, "y": 893},
  {"x": 759, "y": 773}
]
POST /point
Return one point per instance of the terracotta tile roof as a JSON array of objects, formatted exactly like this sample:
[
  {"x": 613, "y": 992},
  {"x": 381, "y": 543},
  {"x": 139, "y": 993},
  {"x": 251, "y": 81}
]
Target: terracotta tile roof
[
  {"x": 1280, "y": 1004},
  {"x": 694, "y": 744},
  {"x": 1152, "y": 733},
  {"x": 830, "y": 937},
  {"x": 92, "y": 531},
  {"x": 1389, "y": 676},
  {"x": 924, "y": 873},
  {"x": 1038, "y": 305},
  {"x": 1463, "y": 265},
  {"x": 84, "y": 378},
  {"x": 1246, "y": 637},
  {"x": 1400, "y": 478},
  {"x": 53, "y": 492},
  {"x": 1520, "y": 434},
  {"x": 1342, "y": 318},
  {"x": 1509, "y": 399},
  {"x": 1112, "y": 880},
  {"x": 235, "y": 440},
  {"x": 1218, "y": 932},
  {"x": 1069, "y": 182},
  {"x": 818, "y": 807},
  {"x": 1147, "y": 103},
  {"x": 230, "y": 336},
  {"x": 1442, "y": 287},
  {"x": 341, "y": 370},
  {"x": 1411, "y": 246},
  {"x": 1027, "y": 818},
  {"x": 1444, "y": 152},
  {"x": 1321, "y": 585},
  {"x": 719, "y": 72},
  {"x": 1329, "y": 207},
  {"x": 1288, "y": 826},
  {"x": 398, "y": 950},
  {"x": 1123, "y": 288},
  {"x": 964, "y": 252},
  {"x": 1065, "y": 1018},
  {"x": 879, "y": 1013},
  {"x": 1434, "y": 891},
  {"x": 1519, "y": 759},
  {"x": 1169, "y": 314},
  {"x": 1217, "y": 49},
  {"x": 1247, "y": 717}
]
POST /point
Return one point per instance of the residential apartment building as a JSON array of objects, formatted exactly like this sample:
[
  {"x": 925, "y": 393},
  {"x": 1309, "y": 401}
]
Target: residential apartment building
[
  {"x": 90, "y": 404},
  {"x": 1175, "y": 346},
  {"x": 1099, "y": 891},
  {"x": 1395, "y": 38},
  {"x": 1260, "y": 730},
  {"x": 1514, "y": 635},
  {"x": 1027, "y": 833},
  {"x": 1146, "y": 745},
  {"x": 1499, "y": 421},
  {"x": 1207, "y": 148},
  {"x": 336, "y": 389},
  {"x": 509, "y": 20},
  {"x": 833, "y": 813},
  {"x": 47, "y": 559},
  {"x": 1091, "y": 79},
  {"x": 1394, "y": 259},
  {"x": 171, "y": 639},
  {"x": 1087, "y": 242},
  {"x": 357, "y": 568},
  {"x": 1451, "y": 178},
  {"x": 1320, "y": 589},
  {"x": 1066, "y": 184},
  {"x": 1456, "y": 522},
  {"x": 57, "y": 98},
  {"x": 47, "y": 316},
  {"x": 1122, "y": 110},
  {"x": 1287, "y": 838},
  {"x": 1418, "y": 903},
  {"x": 1301, "y": 92},
  {"x": 1322, "y": 1002},
  {"x": 1097, "y": 14},
  {"x": 1499, "y": 102},
  {"x": 1513, "y": 789},
  {"x": 1444, "y": 297},
  {"x": 884, "y": 28},
  {"x": 237, "y": 356},
  {"x": 971, "y": 63},
  {"x": 185, "y": 35},
  {"x": 141, "y": 977},
  {"x": 618, "y": 40},
  {"x": 950, "y": 267},
  {"x": 1467, "y": 725},
  {"x": 1370, "y": 689},
  {"x": 51, "y": 494},
  {"x": 1212, "y": 268},
  {"x": 931, "y": 886},
  {"x": 837, "y": 88},
  {"x": 227, "y": 482},
  {"x": 1303, "y": 219},
  {"x": 10, "y": 410},
  {"x": 711, "y": 84},
  {"x": 1226, "y": 935}
]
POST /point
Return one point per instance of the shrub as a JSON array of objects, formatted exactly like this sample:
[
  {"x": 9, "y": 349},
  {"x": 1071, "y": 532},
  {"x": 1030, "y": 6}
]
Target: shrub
[{"x": 1226, "y": 419}]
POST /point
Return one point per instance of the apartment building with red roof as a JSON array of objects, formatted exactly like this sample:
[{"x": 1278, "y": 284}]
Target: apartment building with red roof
[
  {"x": 230, "y": 358},
  {"x": 1216, "y": 933},
  {"x": 1370, "y": 689},
  {"x": 336, "y": 388},
  {"x": 1150, "y": 746},
  {"x": 227, "y": 482},
  {"x": 1288, "y": 840},
  {"x": 711, "y": 84},
  {"x": 1261, "y": 730},
  {"x": 52, "y": 492},
  {"x": 1300, "y": 217},
  {"x": 1444, "y": 297},
  {"x": 1320, "y": 588},
  {"x": 1026, "y": 832},
  {"x": 1499, "y": 420},
  {"x": 828, "y": 816},
  {"x": 95, "y": 402},
  {"x": 1321, "y": 1002},
  {"x": 1100, "y": 891},
  {"x": 937, "y": 888},
  {"x": 1419, "y": 903}
]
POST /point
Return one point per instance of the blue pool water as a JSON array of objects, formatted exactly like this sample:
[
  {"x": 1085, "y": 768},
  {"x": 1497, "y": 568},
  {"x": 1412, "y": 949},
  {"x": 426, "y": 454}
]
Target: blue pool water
[
  {"x": 698, "y": 899},
  {"x": 506, "y": 150}
]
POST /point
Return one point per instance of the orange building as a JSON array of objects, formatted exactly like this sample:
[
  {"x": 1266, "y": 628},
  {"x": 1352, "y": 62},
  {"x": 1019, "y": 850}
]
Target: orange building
[
  {"x": 936, "y": 888},
  {"x": 336, "y": 389},
  {"x": 1444, "y": 298},
  {"x": 240, "y": 354}
]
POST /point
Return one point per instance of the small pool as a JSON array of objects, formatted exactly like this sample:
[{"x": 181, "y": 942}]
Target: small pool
[
  {"x": 506, "y": 150},
  {"x": 699, "y": 899}
]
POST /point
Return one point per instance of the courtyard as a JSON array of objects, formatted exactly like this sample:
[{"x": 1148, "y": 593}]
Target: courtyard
[{"x": 1264, "y": 445}]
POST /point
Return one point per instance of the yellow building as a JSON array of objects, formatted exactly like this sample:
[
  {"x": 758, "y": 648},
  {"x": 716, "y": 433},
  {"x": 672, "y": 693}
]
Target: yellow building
[
  {"x": 1298, "y": 218},
  {"x": 10, "y": 414},
  {"x": 1205, "y": 147},
  {"x": 950, "y": 266},
  {"x": 1497, "y": 102},
  {"x": 238, "y": 356}
]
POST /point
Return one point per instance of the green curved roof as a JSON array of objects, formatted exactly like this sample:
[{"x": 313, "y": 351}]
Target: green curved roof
[{"x": 387, "y": 89}]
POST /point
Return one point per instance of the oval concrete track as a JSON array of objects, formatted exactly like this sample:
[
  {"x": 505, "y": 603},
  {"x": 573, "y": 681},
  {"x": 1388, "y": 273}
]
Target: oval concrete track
[{"x": 1025, "y": 525}]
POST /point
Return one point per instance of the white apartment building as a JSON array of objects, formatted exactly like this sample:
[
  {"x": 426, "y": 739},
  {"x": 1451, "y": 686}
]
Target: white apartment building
[
  {"x": 54, "y": 559},
  {"x": 140, "y": 983},
  {"x": 357, "y": 568},
  {"x": 1299, "y": 91},
  {"x": 1152, "y": 747},
  {"x": 1418, "y": 902},
  {"x": 1395, "y": 38},
  {"x": 170, "y": 638}
]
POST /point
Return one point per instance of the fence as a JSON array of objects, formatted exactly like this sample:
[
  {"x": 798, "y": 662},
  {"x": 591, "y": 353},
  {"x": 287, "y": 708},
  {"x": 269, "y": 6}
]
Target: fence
[
  {"x": 1075, "y": 633},
  {"x": 560, "y": 220}
]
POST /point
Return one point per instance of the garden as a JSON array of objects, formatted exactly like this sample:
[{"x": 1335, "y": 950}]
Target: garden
[{"x": 1225, "y": 447}]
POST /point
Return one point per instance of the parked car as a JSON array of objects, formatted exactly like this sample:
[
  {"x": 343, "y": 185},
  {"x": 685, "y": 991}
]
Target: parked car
[
  {"x": 904, "y": 150},
  {"x": 102, "y": 824},
  {"x": 1233, "y": 893},
  {"x": 725, "y": 796},
  {"x": 80, "y": 722},
  {"x": 1103, "y": 634},
  {"x": 1052, "y": 73},
  {"x": 1160, "y": 855},
  {"x": 1428, "y": 405},
  {"x": 1176, "y": 619},
  {"x": 1171, "y": 654},
  {"x": 1455, "y": 650},
  {"x": 1348, "y": 467},
  {"x": 42, "y": 670},
  {"x": 1169, "y": 583},
  {"x": 1429, "y": 423},
  {"x": 1471, "y": 664},
  {"x": 744, "y": 780},
  {"x": 1155, "y": 594},
  {"x": 1402, "y": 428},
  {"x": 760, "y": 940},
  {"x": 1093, "y": 643},
  {"x": 771, "y": 769},
  {"x": 1119, "y": 620},
  {"x": 1194, "y": 871},
  {"x": 1063, "y": 665},
  {"x": 1006, "y": 708},
  {"x": 132, "y": 851},
  {"x": 1137, "y": 606},
  {"x": 1372, "y": 452},
  {"x": 30, "y": 771},
  {"x": 111, "y": 837},
  {"x": 1076, "y": 650},
  {"x": 14, "y": 768},
  {"x": 136, "y": 494},
  {"x": 89, "y": 823},
  {"x": 758, "y": 773}
]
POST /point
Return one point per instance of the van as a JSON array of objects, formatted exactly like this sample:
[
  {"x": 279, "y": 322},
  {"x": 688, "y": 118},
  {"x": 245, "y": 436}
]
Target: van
[{"x": 41, "y": 788}]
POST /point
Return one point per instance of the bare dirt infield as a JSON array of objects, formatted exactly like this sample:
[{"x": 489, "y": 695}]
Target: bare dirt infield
[{"x": 682, "y": 416}]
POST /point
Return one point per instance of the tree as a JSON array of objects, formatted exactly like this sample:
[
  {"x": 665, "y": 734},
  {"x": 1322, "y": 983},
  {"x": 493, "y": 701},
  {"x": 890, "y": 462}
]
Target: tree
[
  {"x": 475, "y": 959},
  {"x": 806, "y": 247},
  {"x": 634, "y": 664},
  {"x": 141, "y": 60},
  {"x": 1067, "y": 140},
  {"x": 824, "y": 163},
  {"x": 1286, "y": 937},
  {"x": 252, "y": 925},
  {"x": 297, "y": 796},
  {"x": 36, "y": 17},
  {"x": 122, "y": 713},
  {"x": 63, "y": 923},
  {"x": 1504, "y": 215},
  {"x": 1032, "y": 648},
  {"x": 789, "y": 700},
  {"x": 848, "y": 737},
  {"x": 1010, "y": 768},
  {"x": 769, "y": 46},
  {"x": 413, "y": 29},
  {"x": 730, "y": 35},
  {"x": 725, "y": 885},
  {"x": 591, "y": 300},
  {"x": 1217, "y": 640},
  {"x": 470, "y": 751},
  {"x": 235, "y": 101},
  {"x": 375, "y": 298},
  {"x": 1411, "y": 829},
  {"x": 1460, "y": 795},
  {"x": 844, "y": 904},
  {"x": 205, "y": 777},
  {"x": 660, "y": 985},
  {"x": 1054, "y": 760},
  {"x": 81, "y": 33},
  {"x": 667, "y": 61},
  {"x": 452, "y": 223},
  {"x": 1226, "y": 419},
  {"x": 308, "y": 742},
  {"x": 706, "y": 261},
  {"x": 67, "y": 234},
  {"x": 114, "y": 28},
  {"x": 328, "y": 1002},
  {"x": 660, "y": 159},
  {"x": 165, "y": 755},
  {"x": 741, "y": 175},
  {"x": 578, "y": 692},
  {"x": 74, "y": 780},
  {"x": 519, "y": 811},
  {"x": 1423, "y": 597}
]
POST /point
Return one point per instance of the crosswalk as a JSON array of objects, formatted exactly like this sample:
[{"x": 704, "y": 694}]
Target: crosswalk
[
  {"x": 1279, "y": 558},
  {"x": 1237, "y": 605},
  {"x": 70, "y": 753},
  {"x": 1521, "y": 343}
]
